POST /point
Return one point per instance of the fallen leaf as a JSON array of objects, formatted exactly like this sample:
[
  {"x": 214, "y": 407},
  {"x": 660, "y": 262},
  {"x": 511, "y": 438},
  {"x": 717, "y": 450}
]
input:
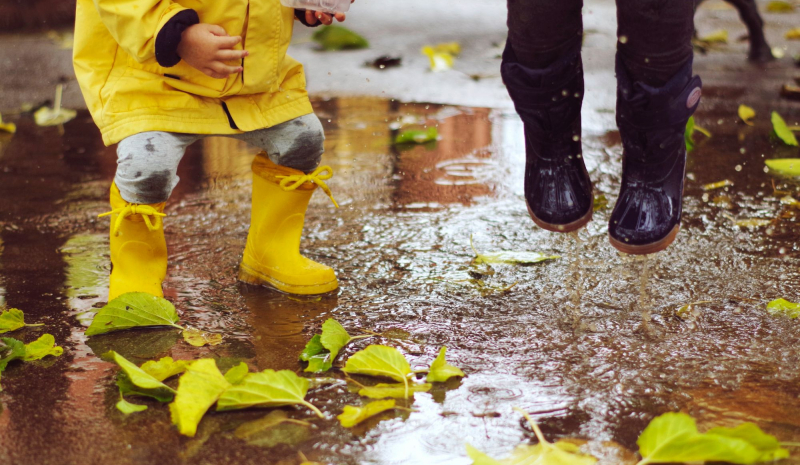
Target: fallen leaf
[
  {"x": 718, "y": 185},
  {"x": 135, "y": 381},
  {"x": 64, "y": 40},
  {"x": 41, "y": 348},
  {"x": 752, "y": 223},
  {"x": 784, "y": 166},
  {"x": 10, "y": 349},
  {"x": 200, "y": 338},
  {"x": 351, "y": 416},
  {"x": 439, "y": 61},
  {"x": 127, "y": 408},
  {"x": 381, "y": 361},
  {"x": 793, "y": 34},
  {"x": 782, "y": 130},
  {"x": 782, "y": 307},
  {"x": 273, "y": 429},
  {"x": 766, "y": 444},
  {"x": 777, "y": 6},
  {"x": 440, "y": 371},
  {"x": 417, "y": 136},
  {"x": 55, "y": 116},
  {"x": 716, "y": 37},
  {"x": 165, "y": 368},
  {"x": 747, "y": 114},
  {"x": 268, "y": 388},
  {"x": 600, "y": 202},
  {"x": 7, "y": 127},
  {"x": 791, "y": 92},
  {"x": 333, "y": 38},
  {"x": 133, "y": 310},
  {"x": 334, "y": 337},
  {"x": 673, "y": 437},
  {"x": 544, "y": 453},
  {"x": 396, "y": 391},
  {"x": 509, "y": 258},
  {"x": 198, "y": 389},
  {"x": 319, "y": 363},
  {"x": 313, "y": 347},
  {"x": 11, "y": 320},
  {"x": 237, "y": 374}
]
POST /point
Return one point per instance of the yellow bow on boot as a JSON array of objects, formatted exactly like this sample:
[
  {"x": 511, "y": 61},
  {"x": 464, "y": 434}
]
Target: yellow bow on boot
[
  {"x": 272, "y": 255},
  {"x": 138, "y": 247}
]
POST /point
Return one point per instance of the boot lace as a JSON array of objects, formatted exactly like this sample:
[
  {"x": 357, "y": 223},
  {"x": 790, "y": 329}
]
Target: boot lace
[
  {"x": 318, "y": 177},
  {"x": 151, "y": 216}
]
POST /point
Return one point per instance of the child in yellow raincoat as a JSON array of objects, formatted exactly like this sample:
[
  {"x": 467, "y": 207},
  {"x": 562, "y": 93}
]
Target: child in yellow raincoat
[{"x": 158, "y": 75}]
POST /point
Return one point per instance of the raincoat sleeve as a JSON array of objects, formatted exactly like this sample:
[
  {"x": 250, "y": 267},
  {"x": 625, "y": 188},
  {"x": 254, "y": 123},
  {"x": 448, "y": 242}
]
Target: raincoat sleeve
[{"x": 135, "y": 24}]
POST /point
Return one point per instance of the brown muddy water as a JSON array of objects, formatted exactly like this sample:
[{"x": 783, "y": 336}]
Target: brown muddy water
[{"x": 592, "y": 345}]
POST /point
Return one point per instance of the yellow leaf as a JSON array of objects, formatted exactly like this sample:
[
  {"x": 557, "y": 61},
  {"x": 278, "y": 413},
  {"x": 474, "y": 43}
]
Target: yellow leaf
[
  {"x": 199, "y": 338},
  {"x": 7, "y": 127},
  {"x": 716, "y": 37},
  {"x": 746, "y": 114},
  {"x": 784, "y": 166},
  {"x": 451, "y": 48},
  {"x": 198, "y": 389},
  {"x": 778, "y": 6},
  {"x": 439, "y": 61},
  {"x": 793, "y": 34},
  {"x": 718, "y": 185},
  {"x": 352, "y": 416},
  {"x": 55, "y": 116}
]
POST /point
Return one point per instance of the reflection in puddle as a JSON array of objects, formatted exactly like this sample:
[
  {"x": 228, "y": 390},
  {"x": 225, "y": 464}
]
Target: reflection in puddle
[{"x": 401, "y": 233}]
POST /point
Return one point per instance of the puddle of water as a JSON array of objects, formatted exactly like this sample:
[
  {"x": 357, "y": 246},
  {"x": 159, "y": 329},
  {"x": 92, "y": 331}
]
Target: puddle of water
[{"x": 399, "y": 243}]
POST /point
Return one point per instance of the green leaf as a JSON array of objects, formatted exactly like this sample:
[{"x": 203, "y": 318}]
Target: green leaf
[
  {"x": 133, "y": 310},
  {"x": 135, "y": 381},
  {"x": 509, "y": 258},
  {"x": 766, "y": 444},
  {"x": 319, "y": 363},
  {"x": 10, "y": 349},
  {"x": 313, "y": 347},
  {"x": 41, "y": 348},
  {"x": 779, "y": 6},
  {"x": 334, "y": 337},
  {"x": 782, "y": 307},
  {"x": 165, "y": 368},
  {"x": 338, "y": 38},
  {"x": 382, "y": 361},
  {"x": 198, "y": 389},
  {"x": 440, "y": 371},
  {"x": 396, "y": 391},
  {"x": 747, "y": 114},
  {"x": 199, "y": 338},
  {"x": 127, "y": 408},
  {"x": 785, "y": 166},
  {"x": 417, "y": 136},
  {"x": 11, "y": 320},
  {"x": 273, "y": 429},
  {"x": 673, "y": 437},
  {"x": 782, "y": 130},
  {"x": 237, "y": 374},
  {"x": 691, "y": 128},
  {"x": 351, "y": 416},
  {"x": 268, "y": 388}
]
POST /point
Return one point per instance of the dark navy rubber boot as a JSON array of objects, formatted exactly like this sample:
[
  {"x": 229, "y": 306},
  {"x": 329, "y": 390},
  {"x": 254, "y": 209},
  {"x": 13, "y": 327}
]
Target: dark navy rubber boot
[
  {"x": 558, "y": 190},
  {"x": 652, "y": 122}
]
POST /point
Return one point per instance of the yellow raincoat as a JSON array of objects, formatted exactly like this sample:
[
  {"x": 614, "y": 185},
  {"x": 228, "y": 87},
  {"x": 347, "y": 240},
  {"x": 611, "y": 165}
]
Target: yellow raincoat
[{"x": 127, "y": 91}]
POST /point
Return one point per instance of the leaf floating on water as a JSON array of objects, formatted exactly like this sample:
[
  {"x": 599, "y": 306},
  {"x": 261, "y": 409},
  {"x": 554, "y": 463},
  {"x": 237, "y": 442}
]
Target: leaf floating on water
[
  {"x": 766, "y": 444},
  {"x": 440, "y": 371},
  {"x": 793, "y": 34},
  {"x": 273, "y": 429},
  {"x": 41, "y": 348},
  {"x": 544, "y": 453},
  {"x": 351, "y": 416},
  {"x": 691, "y": 128},
  {"x": 133, "y": 310},
  {"x": 716, "y": 37},
  {"x": 673, "y": 437},
  {"x": 237, "y": 374},
  {"x": 268, "y": 388},
  {"x": 313, "y": 347},
  {"x": 10, "y": 349},
  {"x": 785, "y": 166},
  {"x": 782, "y": 130},
  {"x": 55, "y": 116},
  {"x": 396, "y": 391},
  {"x": 778, "y": 6},
  {"x": 198, "y": 389},
  {"x": 510, "y": 258},
  {"x": 11, "y": 320},
  {"x": 718, "y": 185},
  {"x": 334, "y": 337},
  {"x": 600, "y": 202},
  {"x": 782, "y": 307},
  {"x": 439, "y": 61},
  {"x": 319, "y": 363},
  {"x": 381, "y": 361},
  {"x": 127, "y": 408},
  {"x": 165, "y": 368},
  {"x": 752, "y": 223},
  {"x": 135, "y": 381},
  {"x": 417, "y": 136},
  {"x": 747, "y": 114},
  {"x": 7, "y": 127},
  {"x": 200, "y": 338},
  {"x": 333, "y": 38}
]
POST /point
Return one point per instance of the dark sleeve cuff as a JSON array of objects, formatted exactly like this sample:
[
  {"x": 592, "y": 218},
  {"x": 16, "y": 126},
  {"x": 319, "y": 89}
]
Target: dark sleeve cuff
[
  {"x": 301, "y": 16},
  {"x": 170, "y": 36}
]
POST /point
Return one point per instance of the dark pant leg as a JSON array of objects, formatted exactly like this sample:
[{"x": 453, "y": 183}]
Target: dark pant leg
[
  {"x": 541, "y": 31},
  {"x": 655, "y": 38}
]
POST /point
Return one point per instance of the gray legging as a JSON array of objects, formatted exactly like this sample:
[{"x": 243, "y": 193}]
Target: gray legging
[
  {"x": 655, "y": 35},
  {"x": 147, "y": 163}
]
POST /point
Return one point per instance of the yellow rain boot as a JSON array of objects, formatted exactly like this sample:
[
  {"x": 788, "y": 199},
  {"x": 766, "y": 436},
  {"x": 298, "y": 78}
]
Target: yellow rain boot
[
  {"x": 272, "y": 255},
  {"x": 138, "y": 247}
]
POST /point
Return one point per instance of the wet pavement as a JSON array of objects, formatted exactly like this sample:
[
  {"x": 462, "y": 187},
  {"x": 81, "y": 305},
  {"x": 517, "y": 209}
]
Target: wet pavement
[{"x": 593, "y": 345}]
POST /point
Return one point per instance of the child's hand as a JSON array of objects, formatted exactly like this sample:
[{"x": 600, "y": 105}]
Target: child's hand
[
  {"x": 324, "y": 18},
  {"x": 206, "y": 47}
]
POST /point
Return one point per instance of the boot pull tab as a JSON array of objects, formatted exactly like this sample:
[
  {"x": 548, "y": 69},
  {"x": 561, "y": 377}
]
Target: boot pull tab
[
  {"x": 318, "y": 177},
  {"x": 131, "y": 209}
]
